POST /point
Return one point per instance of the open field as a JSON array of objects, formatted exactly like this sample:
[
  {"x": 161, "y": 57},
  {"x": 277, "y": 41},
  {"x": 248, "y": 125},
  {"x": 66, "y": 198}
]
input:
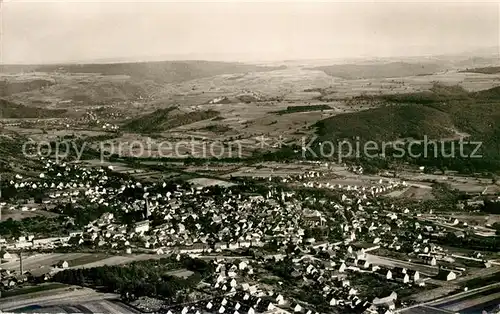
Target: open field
[
  {"x": 97, "y": 306},
  {"x": 209, "y": 182},
  {"x": 32, "y": 289},
  {"x": 413, "y": 192},
  {"x": 18, "y": 214},
  {"x": 54, "y": 297},
  {"x": 118, "y": 260},
  {"x": 44, "y": 262}
]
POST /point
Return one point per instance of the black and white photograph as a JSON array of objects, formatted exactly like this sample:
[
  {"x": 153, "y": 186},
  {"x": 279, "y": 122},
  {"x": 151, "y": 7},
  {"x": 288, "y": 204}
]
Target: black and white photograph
[{"x": 249, "y": 157}]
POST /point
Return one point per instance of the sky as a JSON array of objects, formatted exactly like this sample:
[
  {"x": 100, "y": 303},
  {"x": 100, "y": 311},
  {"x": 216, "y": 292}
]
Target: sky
[{"x": 79, "y": 31}]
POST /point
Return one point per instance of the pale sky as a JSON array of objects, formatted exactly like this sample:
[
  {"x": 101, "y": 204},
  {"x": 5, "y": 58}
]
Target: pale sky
[{"x": 56, "y": 31}]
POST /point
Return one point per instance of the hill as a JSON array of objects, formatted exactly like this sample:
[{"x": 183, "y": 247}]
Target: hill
[
  {"x": 433, "y": 113},
  {"x": 446, "y": 114},
  {"x": 10, "y": 88},
  {"x": 165, "y": 119},
  {"x": 437, "y": 94},
  {"x": 484, "y": 70},
  {"x": 304, "y": 108},
  {"x": 160, "y": 72},
  {"x": 100, "y": 91},
  {"x": 383, "y": 70},
  {"x": 9, "y": 110},
  {"x": 388, "y": 123}
]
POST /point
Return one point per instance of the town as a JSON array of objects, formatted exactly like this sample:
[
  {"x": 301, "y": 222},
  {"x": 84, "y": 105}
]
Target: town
[
  {"x": 266, "y": 244},
  {"x": 300, "y": 157}
]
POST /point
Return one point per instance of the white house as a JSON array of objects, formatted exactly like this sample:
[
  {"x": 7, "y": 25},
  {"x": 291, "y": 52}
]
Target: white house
[
  {"x": 280, "y": 300},
  {"x": 141, "y": 226},
  {"x": 451, "y": 276}
]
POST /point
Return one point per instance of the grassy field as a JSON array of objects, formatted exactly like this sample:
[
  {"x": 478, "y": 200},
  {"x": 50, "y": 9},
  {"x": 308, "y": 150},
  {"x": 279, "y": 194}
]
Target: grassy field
[
  {"x": 87, "y": 259},
  {"x": 33, "y": 289},
  {"x": 18, "y": 214}
]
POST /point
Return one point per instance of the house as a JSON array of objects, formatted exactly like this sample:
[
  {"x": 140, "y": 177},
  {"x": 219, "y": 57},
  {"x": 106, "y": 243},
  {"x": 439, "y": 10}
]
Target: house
[
  {"x": 447, "y": 275},
  {"x": 5, "y": 255},
  {"x": 264, "y": 306},
  {"x": 195, "y": 248},
  {"x": 297, "y": 308},
  {"x": 62, "y": 264},
  {"x": 351, "y": 261},
  {"x": 363, "y": 264},
  {"x": 342, "y": 268},
  {"x": 413, "y": 274},
  {"x": 141, "y": 226},
  {"x": 400, "y": 274},
  {"x": 243, "y": 265},
  {"x": 280, "y": 300},
  {"x": 387, "y": 273},
  {"x": 4, "y": 273},
  {"x": 8, "y": 283},
  {"x": 429, "y": 259},
  {"x": 333, "y": 301},
  {"x": 75, "y": 234}
]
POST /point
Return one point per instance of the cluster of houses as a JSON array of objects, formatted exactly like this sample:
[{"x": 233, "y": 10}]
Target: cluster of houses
[
  {"x": 166, "y": 218},
  {"x": 12, "y": 277}
]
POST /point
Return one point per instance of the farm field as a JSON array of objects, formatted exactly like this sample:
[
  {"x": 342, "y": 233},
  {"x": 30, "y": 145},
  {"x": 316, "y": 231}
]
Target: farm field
[{"x": 56, "y": 298}]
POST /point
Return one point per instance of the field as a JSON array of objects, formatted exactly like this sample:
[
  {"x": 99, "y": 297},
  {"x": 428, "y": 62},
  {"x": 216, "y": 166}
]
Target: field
[
  {"x": 18, "y": 214},
  {"x": 43, "y": 262},
  {"x": 54, "y": 300},
  {"x": 33, "y": 289},
  {"x": 413, "y": 192},
  {"x": 202, "y": 182}
]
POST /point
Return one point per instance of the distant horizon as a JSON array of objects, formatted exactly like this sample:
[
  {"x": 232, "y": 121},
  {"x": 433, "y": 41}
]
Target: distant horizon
[
  {"x": 88, "y": 31},
  {"x": 186, "y": 58}
]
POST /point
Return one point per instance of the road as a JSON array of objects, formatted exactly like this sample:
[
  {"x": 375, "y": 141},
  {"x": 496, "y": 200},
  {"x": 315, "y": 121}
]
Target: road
[
  {"x": 447, "y": 299},
  {"x": 470, "y": 301},
  {"x": 447, "y": 287}
]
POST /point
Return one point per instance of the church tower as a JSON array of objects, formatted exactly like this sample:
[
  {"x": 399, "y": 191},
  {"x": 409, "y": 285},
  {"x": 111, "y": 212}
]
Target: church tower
[{"x": 147, "y": 210}]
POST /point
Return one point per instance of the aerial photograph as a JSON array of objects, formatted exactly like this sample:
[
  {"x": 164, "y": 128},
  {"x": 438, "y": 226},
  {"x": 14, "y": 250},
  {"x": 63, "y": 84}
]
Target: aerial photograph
[{"x": 230, "y": 157}]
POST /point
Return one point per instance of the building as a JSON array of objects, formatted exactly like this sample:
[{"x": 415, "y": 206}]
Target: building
[
  {"x": 141, "y": 226},
  {"x": 62, "y": 264},
  {"x": 428, "y": 259},
  {"x": 386, "y": 300},
  {"x": 446, "y": 275}
]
